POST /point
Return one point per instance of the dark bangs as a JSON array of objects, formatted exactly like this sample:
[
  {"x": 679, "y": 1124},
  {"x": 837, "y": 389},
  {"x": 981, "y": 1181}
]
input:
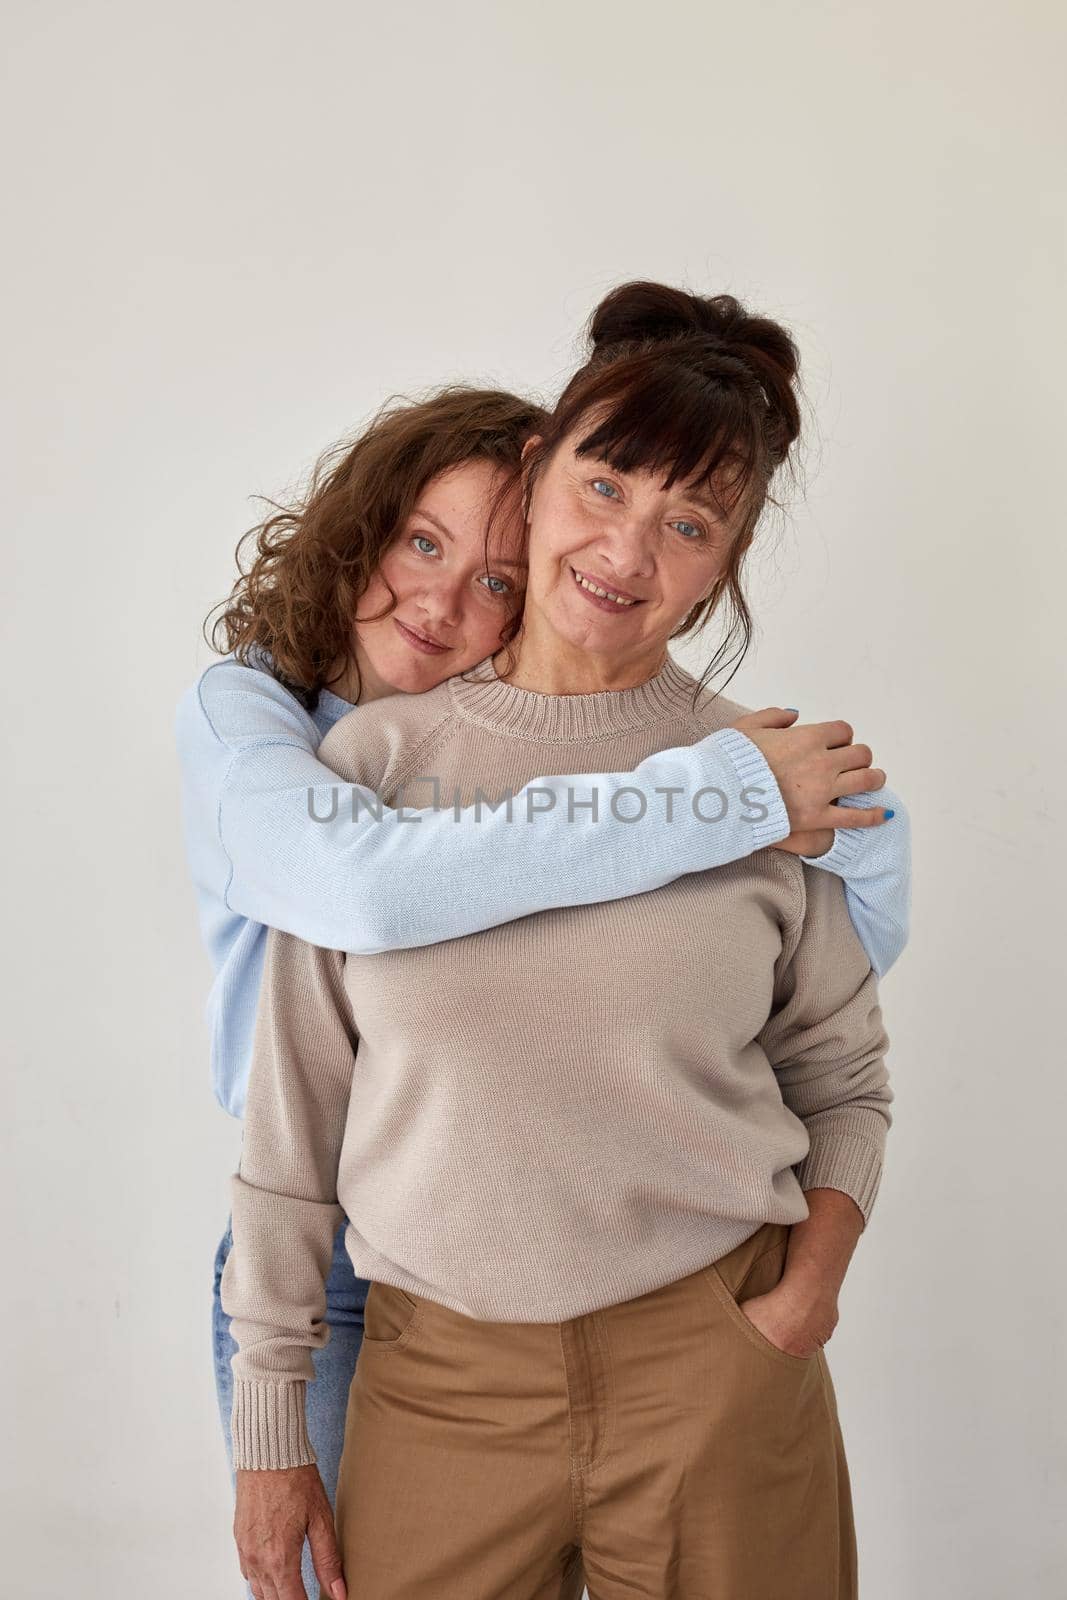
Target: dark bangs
[{"x": 669, "y": 418}]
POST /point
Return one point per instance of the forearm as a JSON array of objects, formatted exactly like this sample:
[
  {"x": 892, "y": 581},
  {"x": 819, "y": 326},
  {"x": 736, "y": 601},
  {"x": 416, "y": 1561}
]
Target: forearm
[
  {"x": 875, "y": 866},
  {"x": 273, "y": 1291},
  {"x": 827, "y": 1043},
  {"x": 274, "y": 804},
  {"x": 846, "y": 1151},
  {"x": 285, "y": 1207},
  {"x": 405, "y": 878},
  {"x": 478, "y": 869},
  {"x": 821, "y": 1246}
]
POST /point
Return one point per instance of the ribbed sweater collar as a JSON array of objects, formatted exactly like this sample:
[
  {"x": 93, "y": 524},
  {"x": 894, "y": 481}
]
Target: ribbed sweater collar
[{"x": 482, "y": 696}]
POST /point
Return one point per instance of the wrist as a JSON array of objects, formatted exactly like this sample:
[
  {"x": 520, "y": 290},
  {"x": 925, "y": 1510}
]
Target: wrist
[
  {"x": 268, "y": 1424},
  {"x": 809, "y": 1288},
  {"x": 756, "y": 782}
]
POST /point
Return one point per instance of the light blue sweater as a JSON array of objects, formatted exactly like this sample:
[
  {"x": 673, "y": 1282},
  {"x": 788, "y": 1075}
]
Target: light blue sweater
[{"x": 248, "y": 768}]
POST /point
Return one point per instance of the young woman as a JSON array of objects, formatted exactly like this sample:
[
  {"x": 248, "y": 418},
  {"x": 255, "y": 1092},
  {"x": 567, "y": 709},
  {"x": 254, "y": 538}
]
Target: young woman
[{"x": 572, "y": 1141}]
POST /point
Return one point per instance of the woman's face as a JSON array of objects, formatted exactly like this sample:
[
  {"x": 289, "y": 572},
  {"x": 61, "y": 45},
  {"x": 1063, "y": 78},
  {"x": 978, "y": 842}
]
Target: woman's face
[
  {"x": 656, "y": 551},
  {"x": 450, "y": 608}
]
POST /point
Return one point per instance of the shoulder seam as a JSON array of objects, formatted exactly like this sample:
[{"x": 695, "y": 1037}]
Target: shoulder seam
[
  {"x": 228, "y": 743},
  {"x": 433, "y": 741},
  {"x": 200, "y": 702}
]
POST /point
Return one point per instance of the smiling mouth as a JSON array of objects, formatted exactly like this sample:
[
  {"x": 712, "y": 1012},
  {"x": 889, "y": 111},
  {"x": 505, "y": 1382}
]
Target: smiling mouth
[
  {"x": 622, "y": 602},
  {"x": 424, "y": 638}
]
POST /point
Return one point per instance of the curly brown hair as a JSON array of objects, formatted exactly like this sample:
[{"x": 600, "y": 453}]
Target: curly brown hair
[{"x": 314, "y": 558}]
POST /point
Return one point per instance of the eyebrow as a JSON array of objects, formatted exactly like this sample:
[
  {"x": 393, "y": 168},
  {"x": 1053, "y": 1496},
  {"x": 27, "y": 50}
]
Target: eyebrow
[
  {"x": 501, "y": 561},
  {"x": 705, "y": 501},
  {"x": 700, "y": 497}
]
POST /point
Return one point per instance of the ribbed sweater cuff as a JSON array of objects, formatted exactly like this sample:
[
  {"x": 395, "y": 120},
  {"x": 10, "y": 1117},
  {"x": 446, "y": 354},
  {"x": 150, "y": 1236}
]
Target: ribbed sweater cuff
[
  {"x": 847, "y": 1163},
  {"x": 268, "y": 1424},
  {"x": 842, "y": 854},
  {"x": 751, "y": 767}
]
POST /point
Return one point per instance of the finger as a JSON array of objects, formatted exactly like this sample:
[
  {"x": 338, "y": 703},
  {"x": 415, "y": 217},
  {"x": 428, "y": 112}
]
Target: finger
[
  {"x": 848, "y": 757},
  {"x": 272, "y": 1587},
  {"x": 770, "y": 717},
  {"x": 834, "y": 734},
  {"x": 855, "y": 816},
  {"x": 251, "y": 1580},
  {"x": 326, "y": 1557},
  {"x": 290, "y": 1585},
  {"x": 863, "y": 781}
]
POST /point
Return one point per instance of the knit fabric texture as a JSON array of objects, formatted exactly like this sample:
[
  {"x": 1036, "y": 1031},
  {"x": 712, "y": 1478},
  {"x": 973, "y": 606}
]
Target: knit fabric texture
[{"x": 560, "y": 1113}]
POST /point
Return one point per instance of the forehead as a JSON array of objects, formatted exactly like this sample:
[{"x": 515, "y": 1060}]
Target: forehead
[
  {"x": 461, "y": 494},
  {"x": 467, "y": 503}
]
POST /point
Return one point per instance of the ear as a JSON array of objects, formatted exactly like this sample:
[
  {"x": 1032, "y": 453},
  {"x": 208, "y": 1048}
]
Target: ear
[{"x": 531, "y": 444}]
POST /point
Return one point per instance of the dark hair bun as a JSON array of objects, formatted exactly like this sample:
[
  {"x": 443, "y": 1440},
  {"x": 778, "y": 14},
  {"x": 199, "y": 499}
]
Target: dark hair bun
[{"x": 642, "y": 313}]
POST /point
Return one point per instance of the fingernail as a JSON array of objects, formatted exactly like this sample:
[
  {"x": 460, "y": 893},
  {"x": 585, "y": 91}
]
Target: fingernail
[
  {"x": 337, "y": 1589},
  {"x": 889, "y": 814},
  {"x": 792, "y": 708}
]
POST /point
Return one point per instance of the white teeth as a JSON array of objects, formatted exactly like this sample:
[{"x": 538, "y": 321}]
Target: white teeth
[{"x": 605, "y": 594}]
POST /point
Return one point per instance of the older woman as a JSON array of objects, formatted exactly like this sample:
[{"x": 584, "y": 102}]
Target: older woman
[{"x": 606, "y": 1165}]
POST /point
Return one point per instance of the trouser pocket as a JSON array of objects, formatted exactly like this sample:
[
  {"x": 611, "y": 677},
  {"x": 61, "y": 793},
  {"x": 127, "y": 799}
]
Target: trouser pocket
[
  {"x": 390, "y": 1318},
  {"x": 755, "y": 1267}
]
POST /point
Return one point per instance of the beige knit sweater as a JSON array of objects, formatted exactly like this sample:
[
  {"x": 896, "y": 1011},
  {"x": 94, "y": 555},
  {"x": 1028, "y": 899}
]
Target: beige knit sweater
[{"x": 560, "y": 1113}]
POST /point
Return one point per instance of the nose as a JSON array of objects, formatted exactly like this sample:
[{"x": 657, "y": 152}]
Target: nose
[
  {"x": 440, "y": 606},
  {"x": 627, "y": 549}
]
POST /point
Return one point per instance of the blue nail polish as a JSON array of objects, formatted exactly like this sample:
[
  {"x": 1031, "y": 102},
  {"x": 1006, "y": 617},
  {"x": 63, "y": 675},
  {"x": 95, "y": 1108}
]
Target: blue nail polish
[
  {"x": 889, "y": 814},
  {"x": 792, "y": 708}
]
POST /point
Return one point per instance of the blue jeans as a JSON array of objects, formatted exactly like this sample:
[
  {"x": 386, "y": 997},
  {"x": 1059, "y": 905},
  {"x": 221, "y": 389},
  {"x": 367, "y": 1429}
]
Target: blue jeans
[{"x": 327, "y": 1397}]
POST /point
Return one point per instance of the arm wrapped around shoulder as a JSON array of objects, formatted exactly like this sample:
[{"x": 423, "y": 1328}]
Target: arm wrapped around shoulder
[
  {"x": 827, "y": 1043},
  {"x": 284, "y": 1198}
]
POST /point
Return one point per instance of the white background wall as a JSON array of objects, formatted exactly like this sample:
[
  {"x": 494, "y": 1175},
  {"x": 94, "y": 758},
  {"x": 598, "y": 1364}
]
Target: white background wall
[{"x": 233, "y": 230}]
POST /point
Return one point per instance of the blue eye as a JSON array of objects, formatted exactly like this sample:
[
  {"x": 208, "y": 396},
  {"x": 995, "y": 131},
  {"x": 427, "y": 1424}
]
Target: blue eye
[
  {"x": 506, "y": 586},
  {"x": 424, "y": 539},
  {"x": 693, "y": 529},
  {"x": 602, "y": 483}
]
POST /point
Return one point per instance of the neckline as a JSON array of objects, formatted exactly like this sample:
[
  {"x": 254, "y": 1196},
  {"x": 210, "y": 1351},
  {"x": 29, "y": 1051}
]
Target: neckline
[
  {"x": 482, "y": 696},
  {"x": 333, "y": 702}
]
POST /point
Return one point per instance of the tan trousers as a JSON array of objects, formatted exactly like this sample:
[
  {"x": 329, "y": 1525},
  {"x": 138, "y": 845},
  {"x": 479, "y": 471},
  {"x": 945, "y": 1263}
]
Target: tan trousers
[{"x": 661, "y": 1448}]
